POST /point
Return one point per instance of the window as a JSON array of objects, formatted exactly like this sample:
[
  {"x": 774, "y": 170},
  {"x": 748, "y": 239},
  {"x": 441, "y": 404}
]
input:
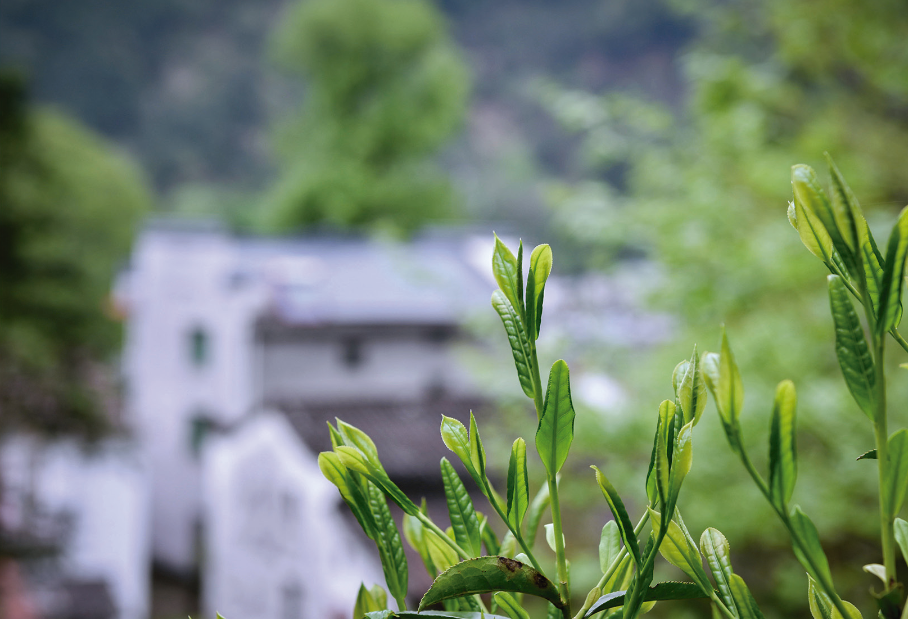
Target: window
[
  {"x": 353, "y": 352},
  {"x": 200, "y": 426},
  {"x": 199, "y": 347}
]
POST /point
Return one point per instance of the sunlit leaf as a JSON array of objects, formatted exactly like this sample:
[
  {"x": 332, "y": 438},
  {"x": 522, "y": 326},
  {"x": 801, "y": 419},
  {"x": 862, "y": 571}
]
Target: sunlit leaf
[
  {"x": 477, "y": 451},
  {"x": 851, "y": 348},
  {"x": 507, "y": 273},
  {"x": 744, "y": 601},
  {"x": 609, "y": 545},
  {"x": 901, "y": 536},
  {"x": 715, "y": 548},
  {"x": 809, "y": 194},
  {"x": 682, "y": 460},
  {"x": 518, "y": 491},
  {"x": 550, "y": 537},
  {"x": 730, "y": 388},
  {"x": 355, "y": 460},
  {"x": 681, "y": 551},
  {"x": 456, "y": 438},
  {"x": 415, "y": 534},
  {"x": 334, "y": 471},
  {"x": 877, "y": 570},
  {"x": 783, "y": 457},
  {"x": 365, "y": 603},
  {"x": 517, "y": 338},
  {"x": 487, "y": 575},
  {"x": 821, "y": 606},
  {"x": 541, "y": 267},
  {"x": 893, "y": 275},
  {"x": 620, "y": 513},
  {"x": 692, "y": 390},
  {"x": 809, "y": 552},
  {"x": 460, "y": 510},
  {"x": 442, "y": 555},
  {"x": 355, "y": 437},
  {"x": 556, "y": 427}
]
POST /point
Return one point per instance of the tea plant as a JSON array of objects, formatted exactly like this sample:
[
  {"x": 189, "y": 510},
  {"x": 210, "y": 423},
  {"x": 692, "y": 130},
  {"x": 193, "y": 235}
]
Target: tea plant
[{"x": 468, "y": 560}]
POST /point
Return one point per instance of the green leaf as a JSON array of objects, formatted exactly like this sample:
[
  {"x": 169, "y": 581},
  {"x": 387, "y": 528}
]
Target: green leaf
[
  {"x": 537, "y": 508},
  {"x": 355, "y": 460},
  {"x": 518, "y": 492},
  {"x": 901, "y": 536},
  {"x": 380, "y": 596},
  {"x": 540, "y": 268},
  {"x": 620, "y": 513},
  {"x": 809, "y": 194},
  {"x": 550, "y": 537},
  {"x": 433, "y": 614},
  {"x": 812, "y": 232},
  {"x": 893, "y": 276},
  {"x": 660, "y": 592},
  {"x": 744, "y": 601},
  {"x": 509, "y": 605},
  {"x": 531, "y": 322},
  {"x": 442, "y": 555},
  {"x": 730, "y": 387},
  {"x": 517, "y": 338},
  {"x": 477, "y": 452},
  {"x": 489, "y": 538},
  {"x": 334, "y": 471},
  {"x": 355, "y": 437},
  {"x": 609, "y": 545},
  {"x": 461, "y": 511},
  {"x": 868, "y": 455},
  {"x": 390, "y": 548},
  {"x": 717, "y": 552},
  {"x": 507, "y": 273},
  {"x": 662, "y": 467},
  {"x": 691, "y": 390},
  {"x": 844, "y": 207},
  {"x": 415, "y": 534},
  {"x": 489, "y": 574},
  {"x": 455, "y": 437},
  {"x": 679, "y": 549},
  {"x": 897, "y": 472},
  {"x": 621, "y": 577},
  {"x": 821, "y": 606},
  {"x": 851, "y": 348},
  {"x": 810, "y": 552},
  {"x": 365, "y": 603},
  {"x": 877, "y": 570},
  {"x": 682, "y": 459},
  {"x": 783, "y": 456},
  {"x": 556, "y": 427}
]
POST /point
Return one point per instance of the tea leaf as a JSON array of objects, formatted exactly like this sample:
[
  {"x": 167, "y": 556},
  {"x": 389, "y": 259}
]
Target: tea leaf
[
  {"x": 897, "y": 473},
  {"x": 477, "y": 452},
  {"x": 455, "y": 437},
  {"x": 730, "y": 387},
  {"x": 556, "y": 427},
  {"x": 509, "y": 605},
  {"x": 679, "y": 549},
  {"x": 489, "y": 574},
  {"x": 868, "y": 455},
  {"x": 334, "y": 471},
  {"x": 851, "y": 348},
  {"x": 682, "y": 459},
  {"x": 609, "y": 545},
  {"x": 715, "y": 547},
  {"x": 365, "y": 603},
  {"x": 355, "y": 460},
  {"x": 844, "y": 207},
  {"x": 517, "y": 338},
  {"x": 809, "y": 194},
  {"x": 621, "y": 577},
  {"x": 550, "y": 537},
  {"x": 489, "y": 539},
  {"x": 507, "y": 273},
  {"x": 744, "y": 601},
  {"x": 415, "y": 534},
  {"x": 540, "y": 268},
  {"x": 433, "y": 614},
  {"x": 518, "y": 492},
  {"x": 783, "y": 456},
  {"x": 531, "y": 323},
  {"x": 355, "y": 437},
  {"x": 659, "y": 592},
  {"x": 692, "y": 390},
  {"x": 877, "y": 570},
  {"x": 620, "y": 513},
  {"x": 390, "y": 548},
  {"x": 821, "y": 606},
  {"x": 461, "y": 511},
  {"x": 811, "y": 555},
  {"x": 442, "y": 555},
  {"x": 812, "y": 232},
  {"x": 901, "y": 536},
  {"x": 893, "y": 276}
]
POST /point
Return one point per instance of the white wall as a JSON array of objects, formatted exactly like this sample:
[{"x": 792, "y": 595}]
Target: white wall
[{"x": 276, "y": 547}]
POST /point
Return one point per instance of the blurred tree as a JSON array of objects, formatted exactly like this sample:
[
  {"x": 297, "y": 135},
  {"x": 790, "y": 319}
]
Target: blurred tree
[
  {"x": 385, "y": 88},
  {"x": 69, "y": 205},
  {"x": 770, "y": 83}
]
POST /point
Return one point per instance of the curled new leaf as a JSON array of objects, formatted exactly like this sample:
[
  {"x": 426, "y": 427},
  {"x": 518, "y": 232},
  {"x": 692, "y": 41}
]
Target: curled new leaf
[
  {"x": 518, "y": 492},
  {"x": 821, "y": 606},
  {"x": 490, "y": 574},
  {"x": 540, "y": 268},
  {"x": 744, "y": 601},
  {"x": 809, "y": 194},
  {"x": 366, "y": 603},
  {"x": 691, "y": 389},
  {"x": 556, "y": 427},
  {"x": 455, "y": 437},
  {"x": 783, "y": 458},
  {"x": 506, "y": 269}
]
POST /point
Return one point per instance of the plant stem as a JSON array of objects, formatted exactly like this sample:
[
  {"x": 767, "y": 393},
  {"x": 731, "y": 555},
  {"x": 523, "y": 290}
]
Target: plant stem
[
  {"x": 427, "y": 522},
  {"x": 560, "y": 563},
  {"x": 721, "y": 606},
  {"x": 517, "y": 534},
  {"x": 887, "y": 529},
  {"x": 898, "y": 338}
]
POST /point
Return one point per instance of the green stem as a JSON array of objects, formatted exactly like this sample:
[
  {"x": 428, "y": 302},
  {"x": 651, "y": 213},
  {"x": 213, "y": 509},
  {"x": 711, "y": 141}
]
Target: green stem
[
  {"x": 614, "y": 565},
  {"x": 721, "y": 606},
  {"x": 560, "y": 562},
  {"x": 898, "y": 338},
  {"x": 517, "y": 534},
  {"x": 444, "y": 537},
  {"x": 887, "y": 520}
]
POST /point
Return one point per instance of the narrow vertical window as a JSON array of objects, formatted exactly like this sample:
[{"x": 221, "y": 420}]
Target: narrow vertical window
[{"x": 199, "y": 347}]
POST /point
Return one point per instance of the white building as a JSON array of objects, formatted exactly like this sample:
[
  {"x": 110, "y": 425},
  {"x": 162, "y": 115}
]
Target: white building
[{"x": 223, "y": 328}]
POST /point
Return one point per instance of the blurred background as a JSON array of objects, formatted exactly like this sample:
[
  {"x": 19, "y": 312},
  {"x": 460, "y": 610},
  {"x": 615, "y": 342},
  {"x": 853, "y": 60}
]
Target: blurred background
[{"x": 224, "y": 223}]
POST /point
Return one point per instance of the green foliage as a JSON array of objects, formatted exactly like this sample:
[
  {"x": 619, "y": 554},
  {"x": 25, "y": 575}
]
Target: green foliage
[
  {"x": 384, "y": 89},
  {"x": 69, "y": 206}
]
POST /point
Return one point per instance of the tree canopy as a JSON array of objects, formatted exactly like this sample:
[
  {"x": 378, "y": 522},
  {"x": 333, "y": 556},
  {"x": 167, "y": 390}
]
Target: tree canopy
[
  {"x": 69, "y": 205},
  {"x": 384, "y": 88}
]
